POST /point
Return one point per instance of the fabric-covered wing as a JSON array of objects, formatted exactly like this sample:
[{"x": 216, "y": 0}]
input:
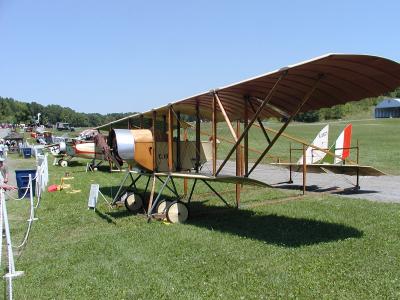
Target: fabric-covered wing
[
  {"x": 345, "y": 78},
  {"x": 311, "y": 168},
  {"x": 352, "y": 170}
]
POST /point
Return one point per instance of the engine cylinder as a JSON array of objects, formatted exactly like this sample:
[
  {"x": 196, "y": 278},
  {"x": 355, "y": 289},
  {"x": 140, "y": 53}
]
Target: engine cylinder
[{"x": 135, "y": 146}]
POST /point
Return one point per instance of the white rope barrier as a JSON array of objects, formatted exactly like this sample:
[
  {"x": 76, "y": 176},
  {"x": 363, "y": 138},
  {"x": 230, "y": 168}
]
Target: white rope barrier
[
  {"x": 18, "y": 199},
  {"x": 11, "y": 265},
  {"x": 2, "y": 198},
  {"x": 31, "y": 216},
  {"x": 41, "y": 178}
]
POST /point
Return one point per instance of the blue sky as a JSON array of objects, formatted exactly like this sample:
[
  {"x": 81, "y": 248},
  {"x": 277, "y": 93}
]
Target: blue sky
[{"x": 118, "y": 56}]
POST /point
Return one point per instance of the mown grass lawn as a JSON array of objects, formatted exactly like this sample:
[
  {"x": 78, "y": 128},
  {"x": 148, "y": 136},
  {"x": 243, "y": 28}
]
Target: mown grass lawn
[{"x": 316, "y": 246}]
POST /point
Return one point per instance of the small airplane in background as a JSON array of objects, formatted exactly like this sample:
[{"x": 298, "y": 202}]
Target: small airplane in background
[{"x": 91, "y": 145}]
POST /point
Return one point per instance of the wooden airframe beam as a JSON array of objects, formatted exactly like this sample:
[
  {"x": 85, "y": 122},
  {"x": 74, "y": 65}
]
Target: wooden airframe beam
[
  {"x": 154, "y": 122},
  {"x": 214, "y": 136},
  {"x": 246, "y": 130},
  {"x": 164, "y": 129},
  {"x": 185, "y": 180},
  {"x": 304, "y": 169},
  {"x": 141, "y": 121},
  {"x": 305, "y": 99},
  {"x": 246, "y": 138},
  {"x": 238, "y": 165},
  {"x": 228, "y": 122},
  {"x": 178, "y": 141},
  {"x": 261, "y": 125},
  {"x": 178, "y": 138},
  {"x": 170, "y": 139},
  {"x": 197, "y": 166}
]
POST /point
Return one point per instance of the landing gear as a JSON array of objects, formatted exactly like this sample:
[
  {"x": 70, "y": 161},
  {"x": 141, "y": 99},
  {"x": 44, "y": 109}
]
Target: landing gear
[
  {"x": 177, "y": 212},
  {"x": 174, "y": 211},
  {"x": 63, "y": 163},
  {"x": 162, "y": 206},
  {"x": 133, "y": 202}
]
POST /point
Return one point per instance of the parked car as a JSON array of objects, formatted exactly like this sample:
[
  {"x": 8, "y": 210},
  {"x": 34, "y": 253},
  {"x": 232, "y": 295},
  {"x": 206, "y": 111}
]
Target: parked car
[{"x": 60, "y": 126}]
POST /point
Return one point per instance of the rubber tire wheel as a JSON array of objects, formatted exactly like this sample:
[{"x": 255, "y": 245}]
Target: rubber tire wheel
[
  {"x": 162, "y": 206},
  {"x": 63, "y": 163},
  {"x": 177, "y": 212},
  {"x": 133, "y": 202}
]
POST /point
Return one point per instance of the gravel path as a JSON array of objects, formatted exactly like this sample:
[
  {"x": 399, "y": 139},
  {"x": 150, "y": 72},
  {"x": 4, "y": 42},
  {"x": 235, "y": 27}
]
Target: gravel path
[{"x": 383, "y": 188}]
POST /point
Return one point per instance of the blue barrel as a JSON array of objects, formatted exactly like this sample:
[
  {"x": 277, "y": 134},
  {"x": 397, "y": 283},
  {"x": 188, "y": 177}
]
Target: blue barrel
[
  {"x": 27, "y": 152},
  {"x": 22, "y": 177}
]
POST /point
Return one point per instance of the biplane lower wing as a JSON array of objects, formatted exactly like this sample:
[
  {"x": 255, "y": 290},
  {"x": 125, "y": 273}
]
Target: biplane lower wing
[
  {"x": 352, "y": 170},
  {"x": 311, "y": 168},
  {"x": 220, "y": 178}
]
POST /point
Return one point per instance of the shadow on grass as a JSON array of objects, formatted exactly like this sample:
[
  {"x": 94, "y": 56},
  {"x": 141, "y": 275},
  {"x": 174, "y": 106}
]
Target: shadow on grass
[
  {"x": 352, "y": 191},
  {"x": 75, "y": 163},
  {"x": 272, "y": 229},
  {"x": 105, "y": 217},
  {"x": 332, "y": 190}
]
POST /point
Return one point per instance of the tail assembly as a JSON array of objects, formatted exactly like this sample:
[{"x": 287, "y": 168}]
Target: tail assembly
[
  {"x": 343, "y": 144},
  {"x": 321, "y": 141}
]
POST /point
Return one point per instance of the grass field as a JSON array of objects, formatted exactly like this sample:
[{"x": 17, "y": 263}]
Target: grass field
[
  {"x": 277, "y": 246},
  {"x": 379, "y": 140}
]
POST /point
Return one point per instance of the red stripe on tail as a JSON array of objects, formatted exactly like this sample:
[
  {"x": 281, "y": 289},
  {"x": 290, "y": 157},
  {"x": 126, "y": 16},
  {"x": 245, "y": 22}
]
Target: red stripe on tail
[{"x": 346, "y": 141}]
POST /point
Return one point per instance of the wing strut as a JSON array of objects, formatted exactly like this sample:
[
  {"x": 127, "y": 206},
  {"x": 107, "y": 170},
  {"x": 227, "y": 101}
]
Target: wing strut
[
  {"x": 228, "y": 122},
  {"x": 305, "y": 99},
  {"x": 246, "y": 130},
  {"x": 260, "y": 123}
]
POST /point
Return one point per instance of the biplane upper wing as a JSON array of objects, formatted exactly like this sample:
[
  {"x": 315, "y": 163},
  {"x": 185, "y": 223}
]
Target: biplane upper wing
[{"x": 321, "y": 82}]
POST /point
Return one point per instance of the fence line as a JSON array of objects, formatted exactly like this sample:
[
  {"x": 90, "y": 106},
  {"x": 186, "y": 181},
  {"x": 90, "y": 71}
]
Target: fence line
[{"x": 42, "y": 179}]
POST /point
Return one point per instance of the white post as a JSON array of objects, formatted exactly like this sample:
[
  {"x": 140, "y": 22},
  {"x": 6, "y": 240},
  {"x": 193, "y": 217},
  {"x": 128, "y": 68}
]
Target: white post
[
  {"x": 32, "y": 217},
  {"x": 38, "y": 181},
  {"x": 46, "y": 174},
  {"x": 2, "y": 198},
  {"x": 11, "y": 266}
]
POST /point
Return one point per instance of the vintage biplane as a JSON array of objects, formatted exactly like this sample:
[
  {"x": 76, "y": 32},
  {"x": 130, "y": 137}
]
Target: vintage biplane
[
  {"x": 65, "y": 149},
  {"x": 88, "y": 145},
  {"x": 154, "y": 147}
]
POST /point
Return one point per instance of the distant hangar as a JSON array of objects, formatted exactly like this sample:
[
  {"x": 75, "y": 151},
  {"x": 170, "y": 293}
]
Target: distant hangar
[{"x": 388, "y": 108}]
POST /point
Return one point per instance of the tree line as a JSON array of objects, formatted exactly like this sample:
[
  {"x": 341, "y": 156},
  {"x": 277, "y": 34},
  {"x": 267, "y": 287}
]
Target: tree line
[
  {"x": 16, "y": 112},
  {"x": 344, "y": 110}
]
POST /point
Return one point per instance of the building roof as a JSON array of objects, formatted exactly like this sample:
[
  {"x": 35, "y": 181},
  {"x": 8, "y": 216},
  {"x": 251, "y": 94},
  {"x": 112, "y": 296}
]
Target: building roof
[
  {"x": 13, "y": 136},
  {"x": 389, "y": 103}
]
